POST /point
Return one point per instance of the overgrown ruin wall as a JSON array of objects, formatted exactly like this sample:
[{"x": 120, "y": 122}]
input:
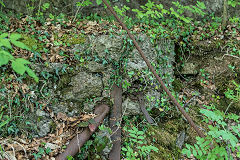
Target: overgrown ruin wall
[{"x": 91, "y": 79}]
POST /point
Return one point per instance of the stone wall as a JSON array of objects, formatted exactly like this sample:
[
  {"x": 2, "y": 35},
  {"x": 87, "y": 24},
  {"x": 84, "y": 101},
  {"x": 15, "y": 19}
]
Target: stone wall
[{"x": 91, "y": 79}]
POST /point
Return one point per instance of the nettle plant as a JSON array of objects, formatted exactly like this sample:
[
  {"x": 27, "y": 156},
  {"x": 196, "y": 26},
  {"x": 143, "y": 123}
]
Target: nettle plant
[
  {"x": 222, "y": 137},
  {"x": 19, "y": 65}
]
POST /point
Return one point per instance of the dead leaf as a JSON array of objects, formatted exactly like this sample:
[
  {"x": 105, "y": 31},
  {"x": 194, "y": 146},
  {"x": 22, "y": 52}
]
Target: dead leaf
[
  {"x": 86, "y": 117},
  {"x": 62, "y": 116}
]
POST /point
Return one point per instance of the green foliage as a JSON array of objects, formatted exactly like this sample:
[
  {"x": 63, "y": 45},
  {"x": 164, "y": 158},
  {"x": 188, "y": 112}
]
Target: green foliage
[
  {"x": 85, "y": 149},
  {"x": 156, "y": 11},
  {"x": 103, "y": 140},
  {"x": 233, "y": 95},
  {"x": 136, "y": 145},
  {"x": 70, "y": 158},
  {"x": 84, "y": 3},
  {"x": 19, "y": 65},
  {"x": 100, "y": 2},
  {"x": 121, "y": 11},
  {"x": 41, "y": 152},
  {"x": 4, "y": 120},
  {"x": 233, "y": 3},
  {"x": 1, "y": 2},
  {"x": 44, "y": 7},
  {"x": 30, "y": 6},
  {"x": 221, "y": 139}
]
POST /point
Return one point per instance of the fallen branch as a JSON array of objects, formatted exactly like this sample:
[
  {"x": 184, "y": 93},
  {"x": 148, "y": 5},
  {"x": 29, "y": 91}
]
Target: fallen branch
[
  {"x": 115, "y": 118},
  {"x": 78, "y": 141}
]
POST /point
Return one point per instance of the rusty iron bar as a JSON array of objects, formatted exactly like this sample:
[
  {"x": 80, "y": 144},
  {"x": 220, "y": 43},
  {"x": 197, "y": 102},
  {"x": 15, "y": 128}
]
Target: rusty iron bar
[
  {"x": 78, "y": 141},
  {"x": 154, "y": 72},
  {"x": 115, "y": 119}
]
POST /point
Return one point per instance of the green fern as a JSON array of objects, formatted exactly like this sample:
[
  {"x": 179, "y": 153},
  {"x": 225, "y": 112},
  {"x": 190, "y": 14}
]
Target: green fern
[
  {"x": 219, "y": 137},
  {"x": 19, "y": 65}
]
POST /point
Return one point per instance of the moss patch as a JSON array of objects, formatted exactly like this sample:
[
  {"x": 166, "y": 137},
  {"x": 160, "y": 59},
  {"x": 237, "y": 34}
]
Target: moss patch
[
  {"x": 70, "y": 39},
  {"x": 32, "y": 43},
  {"x": 165, "y": 138},
  {"x": 177, "y": 85}
]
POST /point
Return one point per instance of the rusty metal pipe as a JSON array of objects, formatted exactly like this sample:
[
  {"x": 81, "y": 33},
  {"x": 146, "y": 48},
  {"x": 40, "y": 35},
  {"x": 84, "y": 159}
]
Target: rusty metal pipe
[
  {"x": 79, "y": 140},
  {"x": 115, "y": 119},
  {"x": 154, "y": 72}
]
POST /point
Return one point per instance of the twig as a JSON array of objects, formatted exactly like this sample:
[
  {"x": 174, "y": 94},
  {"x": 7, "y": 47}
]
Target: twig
[
  {"x": 42, "y": 89},
  {"x": 227, "y": 55},
  {"x": 22, "y": 148},
  {"x": 186, "y": 104},
  {"x": 39, "y": 6},
  {"x": 228, "y": 107},
  {"x": 10, "y": 108},
  {"x": 76, "y": 13}
]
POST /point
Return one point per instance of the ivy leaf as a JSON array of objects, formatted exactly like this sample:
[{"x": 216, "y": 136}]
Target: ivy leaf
[
  {"x": 32, "y": 74},
  {"x": 20, "y": 44},
  {"x": 5, "y": 43},
  {"x": 15, "y": 36},
  {"x": 18, "y": 67}
]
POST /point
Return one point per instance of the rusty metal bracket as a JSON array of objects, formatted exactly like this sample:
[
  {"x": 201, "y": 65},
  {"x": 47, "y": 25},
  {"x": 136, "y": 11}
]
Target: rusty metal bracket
[{"x": 154, "y": 72}]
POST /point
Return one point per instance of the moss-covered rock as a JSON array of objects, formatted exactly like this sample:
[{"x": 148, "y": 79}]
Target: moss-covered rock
[{"x": 82, "y": 86}]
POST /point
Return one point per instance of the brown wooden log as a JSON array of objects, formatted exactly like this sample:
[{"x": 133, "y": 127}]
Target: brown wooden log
[
  {"x": 115, "y": 118},
  {"x": 78, "y": 141}
]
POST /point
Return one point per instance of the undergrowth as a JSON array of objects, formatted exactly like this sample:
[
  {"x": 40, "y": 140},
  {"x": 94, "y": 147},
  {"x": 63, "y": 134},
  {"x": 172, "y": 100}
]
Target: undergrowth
[{"x": 155, "y": 20}]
